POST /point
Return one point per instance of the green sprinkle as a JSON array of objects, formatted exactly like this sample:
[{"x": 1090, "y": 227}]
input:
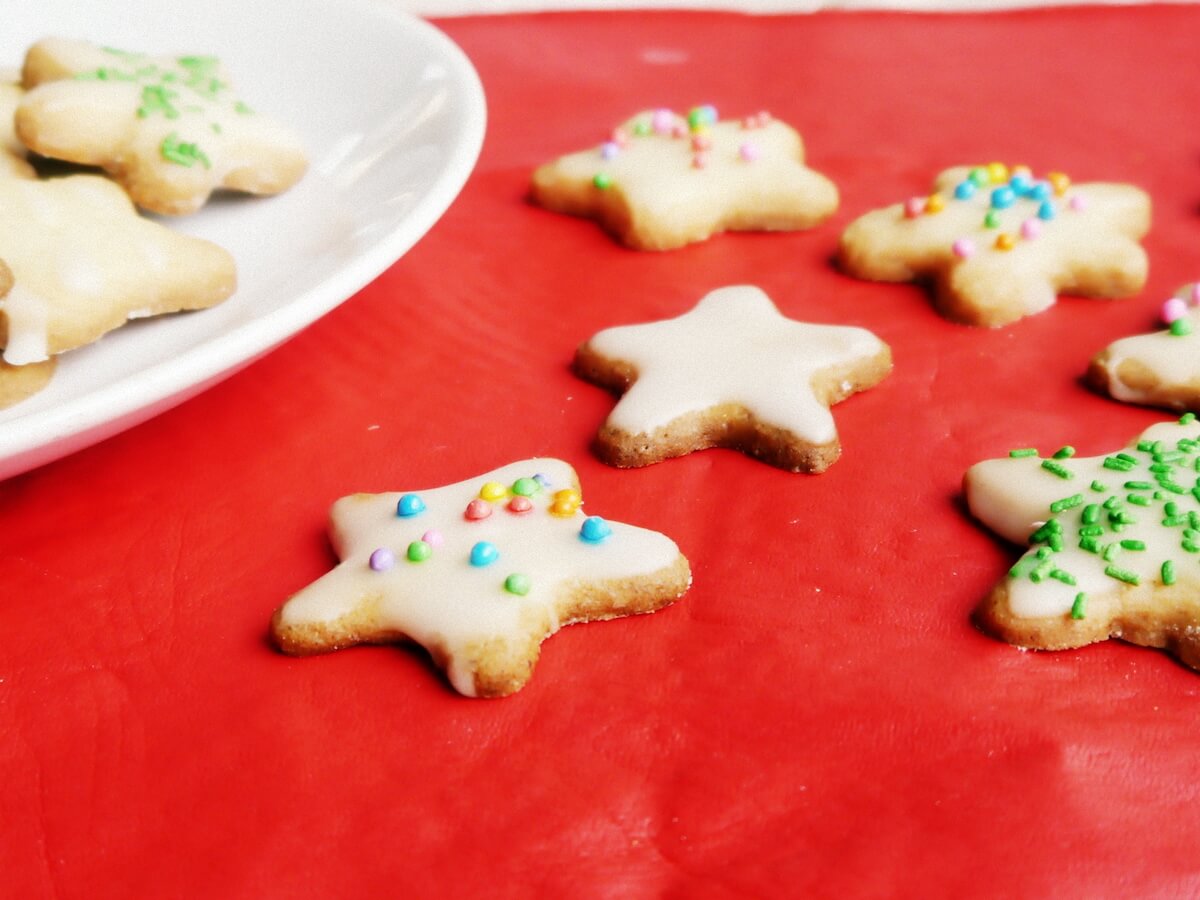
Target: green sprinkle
[
  {"x": 1168, "y": 572},
  {"x": 1098, "y": 487},
  {"x": 1144, "y": 446},
  {"x": 1064, "y": 577},
  {"x": 1064, "y": 452},
  {"x": 1022, "y": 566},
  {"x": 1181, "y": 327},
  {"x": 1187, "y": 418},
  {"x": 518, "y": 584},
  {"x": 242, "y": 109},
  {"x": 1023, "y": 451},
  {"x": 1090, "y": 544},
  {"x": 1121, "y": 574},
  {"x": 1066, "y": 503},
  {"x": 1190, "y": 547},
  {"x": 1042, "y": 572},
  {"x": 992, "y": 219},
  {"x": 1138, "y": 486},
  {"x": 1091, "y": 514},
  {"x": 1079, "y": 607},
  {"x": 157, "y": 99},
  {"x": 1055, "y": 469},
  {"x": 1172, "y": 508},
  {"x": 1174, "y": 521},
  {"x": 1131, "y": 544},
  {"x": 980, "y": 176},
  {"x": 1113, "y": 502},
  {"x": 1138, "y": 499},
  {"x": 184, "y": 154},
  {"x": 602, "y": 181},
  {"x": 526, "y": 487},
  {"x": 1110, "y": 552},
  {"x": 419, "y": 551},
  {"x": 1111, "y": 462},
  {"x": 1091, "y": 531}
]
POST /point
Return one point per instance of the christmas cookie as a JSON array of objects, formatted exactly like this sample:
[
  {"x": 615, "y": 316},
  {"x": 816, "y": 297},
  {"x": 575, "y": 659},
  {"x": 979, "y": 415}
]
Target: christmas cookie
[
  {"x": 1160, "y": 369},
  {"x": 1114, "y": 543},
  {"x": 82, "y": 262},
  {"x": 479, "y": 573},
  {"x": 733, "y": 372},
  {"x": 169, "y": 129},
  {"x": 1000, "y": 244},
  {"x": 663, "y": 180}
]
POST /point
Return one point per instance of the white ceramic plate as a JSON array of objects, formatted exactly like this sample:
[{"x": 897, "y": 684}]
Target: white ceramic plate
[{"x": 392, "y": 115}]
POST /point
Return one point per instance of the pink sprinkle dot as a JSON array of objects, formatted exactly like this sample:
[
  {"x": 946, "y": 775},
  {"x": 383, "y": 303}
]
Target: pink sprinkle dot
[
  {"x": 913, "y": 207},
  {"x": 1194, "y": 295},
  {"x": 519, "y": 504},
  {"x": 964, "y": 248},
  {"x": 620, "y": 137},
  {"x": 1175, "y": 308},
  {"x": 1031, "y": 228},
  {"x": 433, "y": 537},
  {"x": 478, "y": 509},
  {"x": 699, "y": 160},
  {"x": 764, "y": 118},
  {"x": 701, "y": 142},
  {"x": 679, "y": 130},
  {"x": 1078, "y": 203},
  {"x": 749, "y": 152},
  {"x": 663, "y": 121}
]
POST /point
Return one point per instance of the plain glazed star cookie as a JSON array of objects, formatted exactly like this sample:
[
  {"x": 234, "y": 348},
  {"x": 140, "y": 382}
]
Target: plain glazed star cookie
[
  {"x": 663, "y": 180},
  {"x": 83, "y": 262},
  {"x": 1114, "y": 544},
  {"x": 1160, "y": 369},
  {"x": 169, "y": 129},
  {"x": 479, "y": 573},
  {"x": 733, "y": 372},
  {"x": 999, "y": 245}
]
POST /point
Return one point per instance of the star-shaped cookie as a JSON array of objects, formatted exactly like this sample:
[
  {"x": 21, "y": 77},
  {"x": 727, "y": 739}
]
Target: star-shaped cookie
[
  {"x": 733, "y": 372},
  {"x": 83, "y": 262},
  {"x": 1000, "y": 244},
  {"x": 169, "y": 129},
  {"x": 1114, "y": 543},
  {"x": 479, "y": 573},
  {"x": 663, "y": 180},
  {"x": 1159, "y": 369}
]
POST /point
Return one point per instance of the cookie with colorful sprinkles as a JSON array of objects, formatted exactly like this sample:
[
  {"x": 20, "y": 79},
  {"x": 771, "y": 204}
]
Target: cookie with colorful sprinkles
[
  {"x": 1114, "y": 543},
  {"x": 1158, "y": 369},
  {"x": 732, "y": 372},
  {"x": 663, "y": 179},
  {"x": 170, "y": 130},
  {"x": 999, "y": 244},
  {"x": 479, "y": 573}
]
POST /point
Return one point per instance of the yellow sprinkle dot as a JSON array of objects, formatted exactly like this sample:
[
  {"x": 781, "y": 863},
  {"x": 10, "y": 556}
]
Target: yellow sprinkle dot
[
  {"x": 997, "y": 172},
  {"x": 1059, "y": 182},
  {"x": 1005, "y": 241},
  {"x": 566, "y": 502},
  {"x": 493, "y": 491},
  {"x": 935, "y": 203}
]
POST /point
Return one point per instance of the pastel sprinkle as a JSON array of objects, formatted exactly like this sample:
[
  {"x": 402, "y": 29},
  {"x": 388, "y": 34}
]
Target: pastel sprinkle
[
  {"x": 964, "y": 248},
  {"x": 1194, "y": 295},
  {"x": 1003, "y": 197},
  {"x": 484, "y": 553},
  {"x": 381, "y": 560},
  {"x": 610, "y": 150},
  {"x": 1174, "y": 308},
  {"x": 913, "y": 207},
  {"x": 1005, "y": 241},
  {"x": 493, "y": 491},
  {"x": 566, "y": 502},
  {"x": 1030, "y": 229},
  {"x": 1078, "y": 203},
  {"x": 965, "y": 190},
  {"x": 935, "y": 203},
  {"x": 991, "y": 219},
  {"x": 419, "y": 551},
  {"x": 517, "y": 583},
  {"x": 1046, "y": 210},
  {"x": 1181, "y": 327},
  {"x": 699, "y": 160},
  {"x": 433, "y": 538},
  {"x": 749, "y": 152},
  {"x": 1023, "y": 451},
  {"x": 701, "y": 142},
  {"x": 1039, "y": 191},
  {"x": 1059, "y": 182},
  {"x": 601, "y": 181},
  {"x": 526, "y": 487},
  {"x": 520, "y": 504},
  {"x": 997, "y": 172},
  {"x": 979, "y": 176},
  {"x": 478, "y": 510},
  {"x": 594, "y": 529},
  {"x": 410, "y": 505},
  {"x": 662, "y": 121}
]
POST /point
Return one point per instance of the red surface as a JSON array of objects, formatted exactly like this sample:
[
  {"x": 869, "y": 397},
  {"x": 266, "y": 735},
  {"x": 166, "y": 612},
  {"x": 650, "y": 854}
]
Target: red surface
[{"x": 816, "y": 718}]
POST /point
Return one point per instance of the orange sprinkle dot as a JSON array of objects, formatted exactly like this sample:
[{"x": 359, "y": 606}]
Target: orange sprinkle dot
[
  {"x": 566, "y": 502},
  {"x": 935, "y": 203},
  {"x": 1022, "y": 170},
  {"x": 1059, "y": 182},
  {"x": 1005, "y": 241}
]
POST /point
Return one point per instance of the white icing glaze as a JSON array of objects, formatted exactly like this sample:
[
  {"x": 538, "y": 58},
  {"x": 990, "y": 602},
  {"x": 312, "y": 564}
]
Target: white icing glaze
[
  {"x": 1172, "y": 359},
  {"x": 1093, "y": 228},
  {"x": 28, "y": 315},
  {"x": 1013, "y": 498},
  {"x": 734, "y": 347},
  {"x": 446, "y": 603}
]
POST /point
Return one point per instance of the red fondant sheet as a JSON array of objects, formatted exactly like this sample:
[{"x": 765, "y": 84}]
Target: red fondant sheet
[{"x": 817, "y": 717}]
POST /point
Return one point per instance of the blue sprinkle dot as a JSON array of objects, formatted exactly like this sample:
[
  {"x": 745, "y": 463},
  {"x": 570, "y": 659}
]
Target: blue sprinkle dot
[
  {"x": 965, "y": 190},
  {"x": 484, "y": 554},
  {"x": 1039, "y": 191},
  {"x": 1003, "y": 197},
  {"x": 1020, "y": 184},
  {"x": 410, "y": 505},
  {"x": 1047, "y": 211},
  {"x": 594, "y": 529}
]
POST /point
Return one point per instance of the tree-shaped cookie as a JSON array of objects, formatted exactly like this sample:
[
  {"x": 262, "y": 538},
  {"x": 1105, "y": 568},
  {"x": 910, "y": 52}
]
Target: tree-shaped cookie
[
  {"x": 479, "y": 573},
  {"x": 84, "y": 262},
  {"x": 1114, "y": 543},
  {"x": 170, "y": 130},
  {"x": 732, "y": 372},
  {"x": 1159, "y": 369},
  {"x": 999, "y": 244},
  {"x": 663, "y": 180}
]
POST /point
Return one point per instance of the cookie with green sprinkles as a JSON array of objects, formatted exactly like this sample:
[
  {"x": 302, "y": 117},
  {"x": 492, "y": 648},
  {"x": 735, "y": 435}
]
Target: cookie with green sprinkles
[
  {"x": 664, "y": 179},
  {"x": 1113, "y": 543},
  {"x": 169, "y": 130},
  {"x": 1157, "y": 369}
]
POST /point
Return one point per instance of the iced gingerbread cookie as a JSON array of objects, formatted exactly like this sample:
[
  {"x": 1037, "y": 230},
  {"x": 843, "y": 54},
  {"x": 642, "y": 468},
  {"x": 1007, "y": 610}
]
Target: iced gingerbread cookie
[
  {"x": 663, "y": 180},
  {"x": 999, "y": 244},
  {"x": 1114, "y": 544},
  {"x": 169, "y": 129},
  {"x": 83, "y": 262},
  {"x": 1160, "y": 369},
  {"x": 479, "y": 573},
  {"x": 733, "y": 372}
]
